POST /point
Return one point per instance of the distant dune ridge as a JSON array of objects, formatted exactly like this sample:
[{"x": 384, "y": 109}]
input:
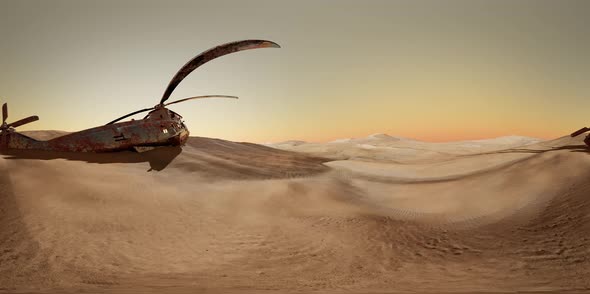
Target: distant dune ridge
[
  {"x": 375, "y": 214},
  {"x": 384, "y": 147}
]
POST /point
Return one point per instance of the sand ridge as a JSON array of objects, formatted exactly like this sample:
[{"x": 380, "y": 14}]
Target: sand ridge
[{"x": 224, "y": 216}]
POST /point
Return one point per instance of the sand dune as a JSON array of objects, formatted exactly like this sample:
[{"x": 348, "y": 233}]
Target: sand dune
[
  {"x": 44, "y": 135},
  {"x": 401, "y": 215},
  {"x": 386, "y": 148}
]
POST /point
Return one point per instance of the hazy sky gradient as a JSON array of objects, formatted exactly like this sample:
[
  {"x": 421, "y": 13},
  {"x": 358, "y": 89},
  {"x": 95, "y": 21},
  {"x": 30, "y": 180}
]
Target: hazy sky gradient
[{"x": 431, "y": 70}]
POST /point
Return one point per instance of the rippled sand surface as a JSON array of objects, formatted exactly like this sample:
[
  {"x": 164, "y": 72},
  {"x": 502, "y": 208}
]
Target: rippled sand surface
[{"x": 379, "y": 215}]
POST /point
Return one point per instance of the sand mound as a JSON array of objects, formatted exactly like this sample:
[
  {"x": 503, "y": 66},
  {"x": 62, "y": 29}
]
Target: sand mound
[
  {"x": 288, "y": 143},
  {"x": 44, "y": 135},
  {"x": 226, "y": 216}
]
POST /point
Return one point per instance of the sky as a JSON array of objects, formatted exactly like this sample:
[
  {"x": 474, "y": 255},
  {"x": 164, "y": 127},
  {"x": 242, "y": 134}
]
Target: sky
[{"x": 438, "y": 70}]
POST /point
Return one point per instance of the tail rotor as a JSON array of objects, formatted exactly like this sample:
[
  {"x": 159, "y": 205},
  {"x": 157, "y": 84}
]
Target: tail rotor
[
  {"x": 4, "y": 113},
  {"x": 7, "y": 128}
]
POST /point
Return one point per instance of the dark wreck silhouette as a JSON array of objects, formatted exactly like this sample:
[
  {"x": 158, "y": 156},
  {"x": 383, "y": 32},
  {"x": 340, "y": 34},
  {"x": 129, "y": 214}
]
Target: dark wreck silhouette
[{"x": 158, "y": 158}]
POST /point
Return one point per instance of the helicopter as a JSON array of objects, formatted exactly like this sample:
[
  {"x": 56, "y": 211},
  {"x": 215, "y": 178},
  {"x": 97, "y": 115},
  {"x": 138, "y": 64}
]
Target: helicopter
[
  {"x": 160, "y": 127},
  {"x": 581, "y": 131}
]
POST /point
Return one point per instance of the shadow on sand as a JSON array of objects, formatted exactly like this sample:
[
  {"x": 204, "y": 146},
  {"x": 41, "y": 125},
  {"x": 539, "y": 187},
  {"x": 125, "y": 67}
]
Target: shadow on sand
[{"x": 158, "y": 158}]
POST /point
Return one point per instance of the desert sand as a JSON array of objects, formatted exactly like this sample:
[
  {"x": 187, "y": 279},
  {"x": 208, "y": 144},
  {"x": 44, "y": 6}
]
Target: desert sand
[{"x": 377, "y": 214}]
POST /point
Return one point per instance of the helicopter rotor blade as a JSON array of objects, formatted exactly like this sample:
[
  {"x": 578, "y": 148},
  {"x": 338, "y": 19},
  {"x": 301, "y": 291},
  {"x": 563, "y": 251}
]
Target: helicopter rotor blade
[
  {"x": 23, "y": 121},
  {"x": 580, "y": 131},
  {"x": 200, "y": 97},
  {"x": 210, "y": 55},
  {"x": 130, "y": 114},
  {"x": 4, "y": 112}
]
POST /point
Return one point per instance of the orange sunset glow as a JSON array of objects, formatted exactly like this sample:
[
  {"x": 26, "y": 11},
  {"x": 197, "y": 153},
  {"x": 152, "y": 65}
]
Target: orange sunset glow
[{"x": 429, "y": 70}]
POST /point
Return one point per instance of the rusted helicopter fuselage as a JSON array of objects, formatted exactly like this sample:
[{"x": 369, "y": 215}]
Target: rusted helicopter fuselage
[{"x": 161, "y": 127}]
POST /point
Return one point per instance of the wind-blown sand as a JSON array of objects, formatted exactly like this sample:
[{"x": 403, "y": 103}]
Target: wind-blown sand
[{"x": 379, "y": 214}]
